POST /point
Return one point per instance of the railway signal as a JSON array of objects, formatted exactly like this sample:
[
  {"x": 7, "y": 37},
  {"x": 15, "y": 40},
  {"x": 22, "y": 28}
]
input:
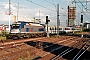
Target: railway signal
[
  {"x": 47, "y": 25},
  {"x": 47, "y": 20},
  {"x": 81, "y": 18}
]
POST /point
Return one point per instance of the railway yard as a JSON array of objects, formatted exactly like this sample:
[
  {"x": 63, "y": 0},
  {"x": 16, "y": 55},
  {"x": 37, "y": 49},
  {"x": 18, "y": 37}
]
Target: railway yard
[
  {"x": 45, "y": 30},
  {"x": 43, "y": 48}
]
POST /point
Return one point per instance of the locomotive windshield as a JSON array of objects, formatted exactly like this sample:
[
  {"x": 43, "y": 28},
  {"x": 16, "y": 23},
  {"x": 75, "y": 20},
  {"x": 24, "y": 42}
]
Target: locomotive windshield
[{"x": 15, "y": 26}]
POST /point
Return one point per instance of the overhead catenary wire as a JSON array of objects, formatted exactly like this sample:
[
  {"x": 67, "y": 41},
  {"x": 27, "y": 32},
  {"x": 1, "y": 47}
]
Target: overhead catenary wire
[
  {"x": 78, "y": 2},
  {"x": 60, "y": 14},
  {"x": 81, "y": 8},
  {"x": 82, "y": 4},
  {"x": 41, "y": 5},
  {"x": 48, "y": 1},
  {"x": 55, "y": 10},
  {"x": 51, "y": 3},
  {"x": 84, "y": 8}
]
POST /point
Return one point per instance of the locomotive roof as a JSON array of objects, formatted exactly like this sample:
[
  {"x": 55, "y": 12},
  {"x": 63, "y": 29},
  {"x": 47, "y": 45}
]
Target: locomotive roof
[
  {"x": 31, "y": 23},
  {"x": 28, "y": 22}
]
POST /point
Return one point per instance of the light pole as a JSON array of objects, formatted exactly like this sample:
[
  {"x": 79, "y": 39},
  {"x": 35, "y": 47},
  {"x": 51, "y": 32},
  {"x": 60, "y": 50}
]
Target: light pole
[
  {"x": 17, "y": 10},
  {"x": 9, "y": 14}
]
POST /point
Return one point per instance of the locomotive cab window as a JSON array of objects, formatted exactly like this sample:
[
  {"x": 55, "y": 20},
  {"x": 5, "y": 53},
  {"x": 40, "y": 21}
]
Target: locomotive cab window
[{"x": 15, "y": 26}]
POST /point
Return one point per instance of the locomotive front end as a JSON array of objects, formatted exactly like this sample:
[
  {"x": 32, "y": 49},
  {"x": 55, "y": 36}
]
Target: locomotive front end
[{"x": 15, "y": 28}]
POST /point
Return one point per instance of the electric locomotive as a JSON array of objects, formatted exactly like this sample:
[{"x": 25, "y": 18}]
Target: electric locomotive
[{"x": 26, "y": 30}]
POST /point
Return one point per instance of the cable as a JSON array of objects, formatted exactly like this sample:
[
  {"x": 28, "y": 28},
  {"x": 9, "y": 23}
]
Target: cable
[
  {"x": 48, "y": 1},
  {"x": 82, "y": 5},
  {"x": 51, "y": 3},
  {"x": 41, "y": 5},
  {"x": 81, "y": 8}
]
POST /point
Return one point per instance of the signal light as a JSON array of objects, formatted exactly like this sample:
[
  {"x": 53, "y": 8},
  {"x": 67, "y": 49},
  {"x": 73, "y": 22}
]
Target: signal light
[
  {"x": 81, "y": 18},
  {"x": 47, "y": 20}
]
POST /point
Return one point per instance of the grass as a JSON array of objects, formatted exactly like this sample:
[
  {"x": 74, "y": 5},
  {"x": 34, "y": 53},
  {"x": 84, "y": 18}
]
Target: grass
[
  {"x": 2, "y": 38},
  {"x": 3, "y": 35},
  {"x": 20, "y": 58}
]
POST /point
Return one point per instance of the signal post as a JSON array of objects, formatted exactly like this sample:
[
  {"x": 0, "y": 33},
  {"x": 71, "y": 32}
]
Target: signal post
[{"x": 47, "y": 25}]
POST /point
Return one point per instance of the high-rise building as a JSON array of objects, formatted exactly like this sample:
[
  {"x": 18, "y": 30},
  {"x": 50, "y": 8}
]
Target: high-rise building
[{"x": 71, "y": 16}]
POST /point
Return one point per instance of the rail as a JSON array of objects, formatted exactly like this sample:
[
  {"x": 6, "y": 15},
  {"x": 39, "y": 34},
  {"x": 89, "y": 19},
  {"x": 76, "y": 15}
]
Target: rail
[
  {"x": 78, "y": 54},
  {"x": 71, "y": 49}
]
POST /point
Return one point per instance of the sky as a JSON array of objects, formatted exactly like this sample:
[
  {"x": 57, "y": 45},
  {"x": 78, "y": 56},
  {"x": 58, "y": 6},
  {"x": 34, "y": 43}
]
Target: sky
[{"x": 30, "y": 9}]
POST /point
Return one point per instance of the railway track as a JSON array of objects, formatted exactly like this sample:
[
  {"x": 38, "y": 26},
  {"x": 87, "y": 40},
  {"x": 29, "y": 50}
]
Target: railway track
[
  {"x": 64, "y": 52},
  {"x": 77, "y": 55},
  {"x": 63, "y": 47},
  {"x": 61, "y": 50}
]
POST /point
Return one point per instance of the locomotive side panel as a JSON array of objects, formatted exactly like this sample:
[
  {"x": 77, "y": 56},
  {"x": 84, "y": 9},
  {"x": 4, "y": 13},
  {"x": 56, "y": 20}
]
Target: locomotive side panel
[{"x": 32, "y": 29}]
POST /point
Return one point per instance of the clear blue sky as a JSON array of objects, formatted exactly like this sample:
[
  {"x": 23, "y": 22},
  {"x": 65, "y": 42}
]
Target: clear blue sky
[{"x": 28, "y": 9}]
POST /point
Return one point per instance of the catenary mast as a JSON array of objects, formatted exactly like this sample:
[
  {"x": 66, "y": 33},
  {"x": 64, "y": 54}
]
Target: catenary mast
[
  {"x": 58, "y": 21},
  {"x": 9, "y": 14}
]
